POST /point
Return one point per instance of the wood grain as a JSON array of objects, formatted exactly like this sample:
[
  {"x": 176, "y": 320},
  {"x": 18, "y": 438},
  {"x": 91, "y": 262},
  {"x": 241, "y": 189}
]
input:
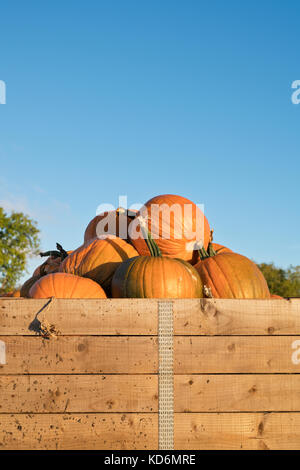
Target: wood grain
[
  {"x": 139, "y": 355},
  {"x": 139, "y": 393},
  {"x": 78, "y": 393},
  {"x": 80, "y": 354},
  {"x": 193, "y": 431},
  {"x": 78, "y": 431},
  {"x": 236, "y": 317},
  {"x": 220, "y": 393},
  {"x": 76, "y": 316},
  {"x": 139, "y": 316},
  {"x": 234, "y": 354},
  {"x": 237, "y": 431}
]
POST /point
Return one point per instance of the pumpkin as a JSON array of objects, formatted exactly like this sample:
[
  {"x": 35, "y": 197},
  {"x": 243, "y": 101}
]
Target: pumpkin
[
  {"x": 156, "y": 276},
  {"x": 27, "y": 285},
  {"x": 117, "y": 223},
  {"x": 66, "y": 286},
  {"x": 274, "y": 296},
  {"x": 98, "y": 259},
  {"x": 213, "y": 248},
  {"x": 232, "y": 276},
  {"x": 49, "y": 266},
  {"x": 52, "y": 263},
  {"x": 172, "y": 222}
]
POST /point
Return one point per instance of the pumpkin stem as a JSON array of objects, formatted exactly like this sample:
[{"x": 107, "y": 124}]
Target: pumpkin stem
[
  {"x": 203, "y": 253},
  {"x": 55, "y": 254},
  {"x": 211, "y": 250},
  {"x": 59, "y": 253},
  {"x": 63, "y": 253},
  {"x": 151, "y": 244}
]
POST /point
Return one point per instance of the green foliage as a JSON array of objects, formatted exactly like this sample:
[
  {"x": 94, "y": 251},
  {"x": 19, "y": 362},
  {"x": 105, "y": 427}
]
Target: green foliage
[
  {"x": 282, "y": 282},
  {"x": 18, "y": 240}
]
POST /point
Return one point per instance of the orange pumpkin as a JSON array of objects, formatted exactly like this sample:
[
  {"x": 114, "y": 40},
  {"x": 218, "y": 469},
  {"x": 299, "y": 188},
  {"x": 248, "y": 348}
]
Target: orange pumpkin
[
  {"x": 274, "y": 296},
  {"x": 66, "y": 286},
  {"x": 172, "y": 222},
  {"x": 213, "y": 249},
  {"x": 52, "y": 263},
  {"x": 232, "y": 276},
  {"x": 49, "y": 266},
  {"x": 116, "y": 223},
  {"x": 98, "y": 259},
  {"x": 156, "y": 276}
]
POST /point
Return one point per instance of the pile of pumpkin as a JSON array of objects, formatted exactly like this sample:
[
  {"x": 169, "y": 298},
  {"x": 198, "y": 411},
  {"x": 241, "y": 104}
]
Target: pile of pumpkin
[{"x": 107, "y": 265}]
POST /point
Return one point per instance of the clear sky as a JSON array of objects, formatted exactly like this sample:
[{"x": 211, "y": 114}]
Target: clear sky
[{"x": 139, "y": 98}]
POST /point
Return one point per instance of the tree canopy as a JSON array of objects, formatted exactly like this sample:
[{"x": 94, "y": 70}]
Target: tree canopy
[
  {"x": 19, "y": 239},
  {"x": 284, "y": 282}
]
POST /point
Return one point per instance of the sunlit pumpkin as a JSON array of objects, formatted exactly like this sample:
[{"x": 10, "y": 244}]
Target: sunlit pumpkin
[
  {"x": 66, "y": 286},
  {"x": 176, "y": 224},
  {"x": 98, "y": 259},
  {"x": 52, "y": 263},
  {"x": 156, "y": 276},
  {"x": 232, "y": 276},
  {"x": 49, "y": 266},
  {"x": 110, "y": 223}
]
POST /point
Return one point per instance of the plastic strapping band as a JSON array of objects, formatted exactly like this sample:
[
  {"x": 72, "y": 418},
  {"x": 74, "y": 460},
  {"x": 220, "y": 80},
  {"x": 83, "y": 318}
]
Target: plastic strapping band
[{"x": 166, "y": 376}]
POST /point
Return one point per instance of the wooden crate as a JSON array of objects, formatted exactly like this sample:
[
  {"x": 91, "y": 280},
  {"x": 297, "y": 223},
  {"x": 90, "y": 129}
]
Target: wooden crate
[{"x": 94, "y": 383}]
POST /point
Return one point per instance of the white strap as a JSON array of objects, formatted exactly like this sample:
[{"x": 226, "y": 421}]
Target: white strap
[{"x": 166, "y": 376}]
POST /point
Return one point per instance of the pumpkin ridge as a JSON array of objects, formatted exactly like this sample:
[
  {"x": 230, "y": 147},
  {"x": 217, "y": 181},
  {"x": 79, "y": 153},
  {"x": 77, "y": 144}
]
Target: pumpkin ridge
[
  {"x": 206, "y": 267},
  {"x": 144, "y": 264},
  {"x": 127, "y": 274},
  {"x": 118, "y": 248},
  {"x": 234, "y": 274},
  {"x": 208, "y": 275},
  {"x": 88, "y": 260}
]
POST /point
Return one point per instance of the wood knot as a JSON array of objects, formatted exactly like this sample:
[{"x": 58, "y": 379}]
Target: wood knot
[{"x": 260, "y": 428}]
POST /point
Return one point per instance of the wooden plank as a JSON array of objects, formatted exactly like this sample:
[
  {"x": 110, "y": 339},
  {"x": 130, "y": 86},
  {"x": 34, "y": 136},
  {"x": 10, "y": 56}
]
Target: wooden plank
[
  {"x": 78, "y": 393},
  {"x": 80, "y": 354},
  {"x": 236, "y": 317},
  {"x": 139, "y": 316},
  {"x": 193, "y": 431},
  {"x": 139, "y": 355},
  {"x": 139, "y": 393},
  {"x": 78, "y": 431},
  {"x": 217, "y": 393},
  {"x": 76, "y": 316},
  {"x": 238, "y": 354},
  {"x": 225, "y": 431}
]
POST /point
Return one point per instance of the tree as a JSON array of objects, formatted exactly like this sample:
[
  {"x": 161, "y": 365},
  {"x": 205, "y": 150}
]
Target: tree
[
  {"x": 18, "y": 240},
  {"x": 282, "y": 282}
]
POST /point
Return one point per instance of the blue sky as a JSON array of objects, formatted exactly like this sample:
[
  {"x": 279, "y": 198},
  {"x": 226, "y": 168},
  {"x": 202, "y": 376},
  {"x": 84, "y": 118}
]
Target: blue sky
[{"x": 136, "y": 98}]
